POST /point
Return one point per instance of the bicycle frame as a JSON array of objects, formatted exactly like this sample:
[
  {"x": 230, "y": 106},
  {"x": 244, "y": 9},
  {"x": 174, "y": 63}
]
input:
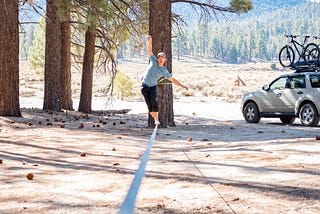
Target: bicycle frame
[{"x": 296, "y": 44}]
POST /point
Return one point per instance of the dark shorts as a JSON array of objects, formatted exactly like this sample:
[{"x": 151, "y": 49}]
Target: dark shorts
[{"x": 150, "y": 96}]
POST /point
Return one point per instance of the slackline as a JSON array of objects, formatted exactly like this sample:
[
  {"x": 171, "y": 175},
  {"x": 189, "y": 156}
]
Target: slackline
[{"x": 127, "y": 207}]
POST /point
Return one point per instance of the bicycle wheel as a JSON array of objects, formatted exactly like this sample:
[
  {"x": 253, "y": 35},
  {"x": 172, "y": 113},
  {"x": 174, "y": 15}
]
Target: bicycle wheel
[
  {"x": 311, "y": 54},
  {"x": 286, "y": 56}
]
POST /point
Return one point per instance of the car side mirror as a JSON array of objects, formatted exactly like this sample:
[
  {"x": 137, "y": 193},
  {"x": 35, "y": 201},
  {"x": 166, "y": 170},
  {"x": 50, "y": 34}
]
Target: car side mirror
[{"x": 265, "y": 87}]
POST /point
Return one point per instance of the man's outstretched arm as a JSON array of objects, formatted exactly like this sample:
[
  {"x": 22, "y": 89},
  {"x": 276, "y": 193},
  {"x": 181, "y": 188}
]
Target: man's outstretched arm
[
  {"x": 150, "y": 53},
  {"x": 177, "y": 83}
]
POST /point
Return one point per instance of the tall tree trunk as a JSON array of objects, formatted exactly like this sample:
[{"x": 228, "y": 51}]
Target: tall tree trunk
[
  {"x": 9, "y": 59},
  {"x": 52, "y": 84},
  {"x": 160, "y": 30},
  {"x": 87, "y": 71},
  {"x": 66, "y": 93}
]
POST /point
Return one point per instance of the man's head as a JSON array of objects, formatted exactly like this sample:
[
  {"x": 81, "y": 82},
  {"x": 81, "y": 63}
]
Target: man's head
[{"x": 161, "y": 56}]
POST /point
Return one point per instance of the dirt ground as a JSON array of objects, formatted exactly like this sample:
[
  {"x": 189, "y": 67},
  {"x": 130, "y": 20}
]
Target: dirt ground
[
  {"x": 211, "y": 162},
  {"x": 227, "y": 166}
]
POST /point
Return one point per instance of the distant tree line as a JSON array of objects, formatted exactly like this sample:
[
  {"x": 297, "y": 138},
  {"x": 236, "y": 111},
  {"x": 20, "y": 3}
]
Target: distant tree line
[
  {"x": 253, "y": 38},
  {"x": 240, "y": 39},
  {"x": 250, "y": 39}
]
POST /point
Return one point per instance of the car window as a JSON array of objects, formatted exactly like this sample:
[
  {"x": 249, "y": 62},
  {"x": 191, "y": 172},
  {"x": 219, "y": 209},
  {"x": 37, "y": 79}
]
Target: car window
[
  {"x": 279, "y": 84},
  {"x": 298, "y": 82},
  {"x": 315, "y": 81}
]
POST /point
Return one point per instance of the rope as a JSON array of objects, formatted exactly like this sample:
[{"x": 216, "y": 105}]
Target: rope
[
  {"x": 211, "y": 185},
  {"x": 128, "y": 204}
]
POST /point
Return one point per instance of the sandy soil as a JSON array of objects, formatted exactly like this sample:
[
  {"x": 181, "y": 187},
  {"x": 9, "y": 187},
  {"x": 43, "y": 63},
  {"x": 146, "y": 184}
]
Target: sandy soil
[{"x": 211, "y": 162}]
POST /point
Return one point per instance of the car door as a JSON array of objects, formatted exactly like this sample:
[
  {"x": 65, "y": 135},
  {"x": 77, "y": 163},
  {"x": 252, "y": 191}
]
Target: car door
[
  {"x": 296, "y": 90},
  {"x": 275, "y": 99}
]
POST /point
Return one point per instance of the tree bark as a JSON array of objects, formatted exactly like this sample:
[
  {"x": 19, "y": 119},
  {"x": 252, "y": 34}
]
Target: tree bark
[
  {"x": 52, "y": 84},
  {"x": 160, "y": 30},
  {"x": 9, "y": 59},
  {"x": 87, "y": 71},
  {"x": 66, "y": 92}
]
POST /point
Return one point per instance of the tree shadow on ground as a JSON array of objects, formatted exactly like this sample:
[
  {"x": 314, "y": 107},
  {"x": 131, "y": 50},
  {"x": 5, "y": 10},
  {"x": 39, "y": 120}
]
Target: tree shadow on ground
[{"x": 240, "y": 137}]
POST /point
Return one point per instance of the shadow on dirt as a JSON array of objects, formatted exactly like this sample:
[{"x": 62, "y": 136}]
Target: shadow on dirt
[{"x": 212, "y": 136}]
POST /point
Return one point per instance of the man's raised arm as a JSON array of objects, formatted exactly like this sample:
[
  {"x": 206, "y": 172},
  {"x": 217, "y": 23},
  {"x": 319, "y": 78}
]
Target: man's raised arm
[{"x": 150, "y": 53}]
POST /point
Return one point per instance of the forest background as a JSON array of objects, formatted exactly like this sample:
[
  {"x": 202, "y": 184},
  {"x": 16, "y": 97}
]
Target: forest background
[{"x": 255, "y": 36}]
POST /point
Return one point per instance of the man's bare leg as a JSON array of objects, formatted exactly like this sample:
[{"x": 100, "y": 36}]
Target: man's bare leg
[{"x": 155, "y": 116}]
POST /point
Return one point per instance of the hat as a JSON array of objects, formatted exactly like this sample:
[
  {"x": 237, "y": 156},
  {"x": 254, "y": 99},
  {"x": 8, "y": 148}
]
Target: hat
[{"x": 161, "y": 54}]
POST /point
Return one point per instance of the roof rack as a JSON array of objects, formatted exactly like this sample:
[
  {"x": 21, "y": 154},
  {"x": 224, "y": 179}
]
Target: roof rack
[{"x": 302, "y": 66}]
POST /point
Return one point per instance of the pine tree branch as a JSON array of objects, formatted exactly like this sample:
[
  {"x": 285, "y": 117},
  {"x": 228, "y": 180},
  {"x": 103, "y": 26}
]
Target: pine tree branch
[{"x": 206, "y": 6}]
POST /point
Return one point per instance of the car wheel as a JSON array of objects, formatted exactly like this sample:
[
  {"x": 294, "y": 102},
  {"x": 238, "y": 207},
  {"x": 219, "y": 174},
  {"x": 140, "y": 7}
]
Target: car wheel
[
  {"x": 308, "y": 115},
  {"x": 287, "y": 119},
  {"x": 251, "y": 113}
]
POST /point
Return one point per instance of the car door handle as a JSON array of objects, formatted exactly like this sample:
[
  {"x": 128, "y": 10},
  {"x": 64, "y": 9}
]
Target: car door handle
[
  {"x": 279, "y": 94},
  {"x": 299, "y": 92}
]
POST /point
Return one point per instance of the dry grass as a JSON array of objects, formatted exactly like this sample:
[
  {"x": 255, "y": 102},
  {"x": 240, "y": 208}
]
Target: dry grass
[
  {"x": 211, "y": 80},
  {"x": 204, "y": 79}
]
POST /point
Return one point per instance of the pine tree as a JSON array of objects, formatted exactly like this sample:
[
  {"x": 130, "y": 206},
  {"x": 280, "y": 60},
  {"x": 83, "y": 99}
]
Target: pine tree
[
  {"x": 52, "y": 81},
  {"x": 9, "y": 59}
]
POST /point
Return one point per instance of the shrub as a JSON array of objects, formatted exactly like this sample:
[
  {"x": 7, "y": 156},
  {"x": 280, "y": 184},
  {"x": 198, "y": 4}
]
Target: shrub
[{"x": 123, "y": 85}]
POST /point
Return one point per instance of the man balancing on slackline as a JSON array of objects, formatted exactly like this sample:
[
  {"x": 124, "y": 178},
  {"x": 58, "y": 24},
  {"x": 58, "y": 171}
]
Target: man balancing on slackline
[{"x": 150, "y": 77}]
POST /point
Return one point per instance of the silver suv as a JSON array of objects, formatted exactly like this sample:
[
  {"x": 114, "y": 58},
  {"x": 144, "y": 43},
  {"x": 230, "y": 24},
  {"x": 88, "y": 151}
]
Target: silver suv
[{"x": 287, "y": 97}]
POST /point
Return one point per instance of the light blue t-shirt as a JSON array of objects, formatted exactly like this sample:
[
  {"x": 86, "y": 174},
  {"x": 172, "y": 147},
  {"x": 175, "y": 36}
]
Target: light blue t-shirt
[{"x": 154, "y": 72}]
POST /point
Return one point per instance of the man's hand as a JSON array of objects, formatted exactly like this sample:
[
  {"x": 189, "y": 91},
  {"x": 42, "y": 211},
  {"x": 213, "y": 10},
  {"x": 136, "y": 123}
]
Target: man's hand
[{"x": 149, "y": 37}]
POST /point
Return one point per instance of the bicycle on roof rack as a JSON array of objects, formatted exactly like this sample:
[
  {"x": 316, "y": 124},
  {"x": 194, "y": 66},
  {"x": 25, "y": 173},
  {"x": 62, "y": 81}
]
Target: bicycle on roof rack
[
  {"x": 308, "y": 52},
  {"x": 316, "y": 50}
]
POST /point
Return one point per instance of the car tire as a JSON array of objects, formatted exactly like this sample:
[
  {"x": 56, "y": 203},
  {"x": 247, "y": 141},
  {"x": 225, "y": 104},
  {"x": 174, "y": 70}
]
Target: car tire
[
  {"x": 251, "y": 113},
  {"x": 309, "y": 115},
  {"x": 287, "y": 119}
]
